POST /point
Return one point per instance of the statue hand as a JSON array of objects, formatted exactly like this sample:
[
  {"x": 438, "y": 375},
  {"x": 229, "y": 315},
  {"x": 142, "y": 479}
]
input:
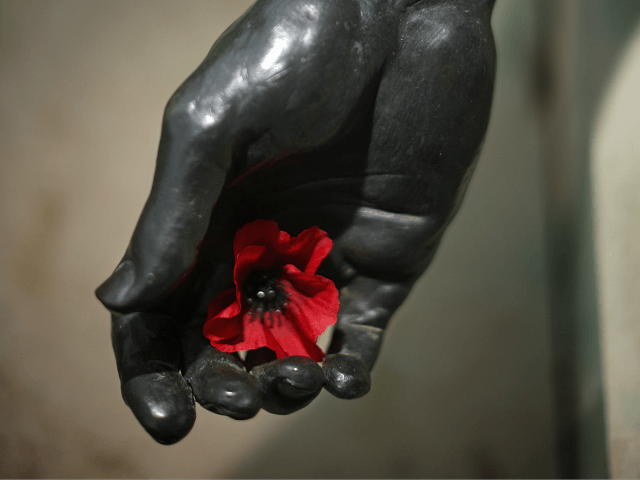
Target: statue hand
[{"x": 290, "y": 118}]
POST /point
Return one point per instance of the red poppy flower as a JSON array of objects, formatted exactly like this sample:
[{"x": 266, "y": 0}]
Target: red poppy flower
[{"x": 278, "y": 301}]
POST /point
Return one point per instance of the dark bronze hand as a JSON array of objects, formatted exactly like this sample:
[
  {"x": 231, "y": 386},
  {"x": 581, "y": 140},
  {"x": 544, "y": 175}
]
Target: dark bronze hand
[{"x": 363, "y": 117}]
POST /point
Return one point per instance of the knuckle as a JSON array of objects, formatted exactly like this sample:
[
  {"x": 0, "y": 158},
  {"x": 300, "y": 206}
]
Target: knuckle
[{"x": 184, "y": 116}]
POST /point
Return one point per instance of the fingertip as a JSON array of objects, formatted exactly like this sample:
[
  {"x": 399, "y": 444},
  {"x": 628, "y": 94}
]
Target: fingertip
[
  {"x": 222, "y": 386},
  {"x": 289, "y": 384},
  {"x": 229, "y": 393},
  {"x": 117, "y": 291},
  {"x": 300, "y": 376},
  {"x": 128, "y": 291},
  {"x": 346, "y": 376},
  {"x": 163, "y": 404}
]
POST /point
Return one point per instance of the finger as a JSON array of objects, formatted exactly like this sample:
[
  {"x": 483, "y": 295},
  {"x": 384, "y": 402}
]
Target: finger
[
  {"x": 147, "y": 356},
  {"x": 219, "y": 381},
  {"x": 288, "y": 384},
  {"x": 366, "y": 305},
  {"x": 188, "y": 179}
]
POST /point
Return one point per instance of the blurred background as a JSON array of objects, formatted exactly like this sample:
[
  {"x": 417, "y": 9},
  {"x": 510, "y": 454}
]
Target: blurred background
[{"x": 517, "y": 353}]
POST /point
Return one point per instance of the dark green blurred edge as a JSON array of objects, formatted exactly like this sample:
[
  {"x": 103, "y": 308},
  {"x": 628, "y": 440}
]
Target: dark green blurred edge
[{"x": 596, "y": 34}]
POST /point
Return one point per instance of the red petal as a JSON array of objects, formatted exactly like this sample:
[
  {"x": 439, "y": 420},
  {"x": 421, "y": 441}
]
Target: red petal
[
  {"x": 280, "y": 333},
  {"x": 307, "y": 250},
  {"x": 224, "y": 320},
  {"x": 260, "y": 232},
  {"x": 223, "y": 330},
  {"x": 313, "y": 302},
  {"x": 285, "y": 338},
  {"x": 256, "y": 334},
  {"x": 230, "y": 346},
  {"x": 224, "y": 305}
]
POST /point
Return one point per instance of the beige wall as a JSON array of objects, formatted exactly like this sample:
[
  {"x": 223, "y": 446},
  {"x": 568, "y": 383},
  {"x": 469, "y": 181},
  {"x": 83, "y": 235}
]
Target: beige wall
[
  {"x": 462, "y": 387},
  {"x": 616, "y": 173}
]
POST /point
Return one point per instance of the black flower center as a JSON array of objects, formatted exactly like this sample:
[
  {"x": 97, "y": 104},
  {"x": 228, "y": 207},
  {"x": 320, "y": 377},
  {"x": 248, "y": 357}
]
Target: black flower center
[{"x": 264, "y": 293}]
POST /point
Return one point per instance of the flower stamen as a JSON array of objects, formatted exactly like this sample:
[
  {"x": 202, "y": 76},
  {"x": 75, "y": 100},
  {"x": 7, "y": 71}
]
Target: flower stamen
[{"x": 265, "y": 295}]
